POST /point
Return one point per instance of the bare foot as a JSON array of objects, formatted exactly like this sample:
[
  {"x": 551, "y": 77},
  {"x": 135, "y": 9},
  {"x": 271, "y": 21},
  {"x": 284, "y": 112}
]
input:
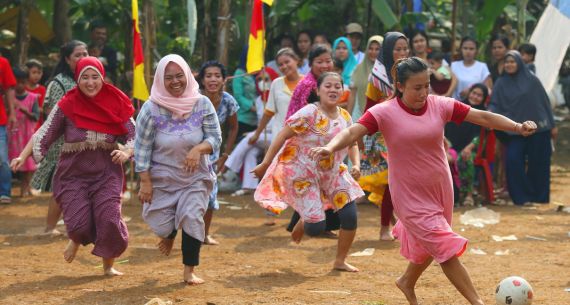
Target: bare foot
[
  {"x": 108, "y": 267},
  {"x": 298, "y": 231},
  {"x": 386, "y": 234},
  {"x": 269, "y": 221},
  {"x": 190, "y": 278},
  {"x": 165, "y": 245},
  {"x": 112, "y": 272},
  {"x": 408, "y": 291},
  {"x": 210, "y": 241},
  {"x": 52, "y": 232},
  {"x": 329, "y": 234},
  {"x": 344, "y": 266},
  {"x": 70, "y": 251}
]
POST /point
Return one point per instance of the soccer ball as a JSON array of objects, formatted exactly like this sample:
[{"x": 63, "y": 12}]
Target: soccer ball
[{"x": 514, "y": 290}]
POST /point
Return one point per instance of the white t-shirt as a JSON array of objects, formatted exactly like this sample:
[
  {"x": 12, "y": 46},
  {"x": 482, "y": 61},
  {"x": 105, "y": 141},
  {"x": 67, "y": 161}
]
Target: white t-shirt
[
  {"x": 468, "y": 76},
  {"x": 278, "y": 103},
  {"x": 359, "y": 56}
]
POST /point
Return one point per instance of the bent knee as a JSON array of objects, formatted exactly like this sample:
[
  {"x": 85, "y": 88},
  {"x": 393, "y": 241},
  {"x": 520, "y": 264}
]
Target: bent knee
[
  {"x": 315, "y": 229},
  {"x": 348, "y": 217}
]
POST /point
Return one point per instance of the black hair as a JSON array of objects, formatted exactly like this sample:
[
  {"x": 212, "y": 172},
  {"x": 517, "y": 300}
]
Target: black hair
[
  {"x": 485, "y": 91},
  {"x": 209, "y": 64},
  {"x": 436, "y": 55},
  {"x": 421, "y": 33},
  {"x": 504, "y": 39},
  {"x": 324, "y": 75},
  {"x": 97, "y": 24},
  {"x": 284, "y": 36},
  {"x": 34, "y": 63},
  {"x": 318, "y": 50},
  {"x": 528, "y": 48},
  {"x": 322, "y": 34},
  {"x": 403, "y": 69},
  {"x": 20, "y": 74},
  {"x": 307, "y": 32},
  {"x": 338, "y": 64},
  {"x": 468, "y": 38},
  {"x": 464, "y": 40},
  {"x": 64, "y": 52},
  {"x": 313, "y": 97}
]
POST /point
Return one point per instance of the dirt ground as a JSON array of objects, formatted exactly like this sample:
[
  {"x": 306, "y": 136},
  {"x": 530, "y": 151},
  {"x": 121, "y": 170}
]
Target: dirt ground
[{"x": 256, "y": 264}]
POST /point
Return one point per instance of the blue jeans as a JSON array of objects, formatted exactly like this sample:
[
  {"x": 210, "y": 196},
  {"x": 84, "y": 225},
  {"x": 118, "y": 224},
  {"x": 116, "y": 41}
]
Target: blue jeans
[{"x": 5, "y": 173}]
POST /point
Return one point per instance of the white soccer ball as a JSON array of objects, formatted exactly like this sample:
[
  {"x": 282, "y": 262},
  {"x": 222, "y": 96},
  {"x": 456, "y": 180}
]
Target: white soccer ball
[{"x": 514, "y": 290}]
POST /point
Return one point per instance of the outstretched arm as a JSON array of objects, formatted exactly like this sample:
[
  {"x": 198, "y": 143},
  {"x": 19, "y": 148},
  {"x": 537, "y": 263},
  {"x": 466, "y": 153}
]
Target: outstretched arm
[
  {"x": 276, "y": 144},
  {"x": 340, "y": 141},
  {"x": 497, "y": 121}
]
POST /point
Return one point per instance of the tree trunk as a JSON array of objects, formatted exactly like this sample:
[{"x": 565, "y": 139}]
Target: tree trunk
[
  {"x": 224, "y": 25},
  {"x": 453, "y": 27},
  {"x": 149, "y": 38},
  {"x": 61, "y": 25},
  {"x": 207, "y": 30},
  {"x": 23, "y": 33},
  {"x": 125, "y": 81}
]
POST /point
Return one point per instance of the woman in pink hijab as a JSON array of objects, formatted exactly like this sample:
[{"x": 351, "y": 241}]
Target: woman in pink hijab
[{"x": 177, "y": 129}]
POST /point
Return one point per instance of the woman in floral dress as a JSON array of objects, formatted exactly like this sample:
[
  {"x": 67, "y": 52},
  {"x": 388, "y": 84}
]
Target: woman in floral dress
[{"x": 291, "y": 178}]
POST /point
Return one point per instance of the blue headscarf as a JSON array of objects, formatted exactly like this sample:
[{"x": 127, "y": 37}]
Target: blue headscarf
[{"x": 350, "y": 63}]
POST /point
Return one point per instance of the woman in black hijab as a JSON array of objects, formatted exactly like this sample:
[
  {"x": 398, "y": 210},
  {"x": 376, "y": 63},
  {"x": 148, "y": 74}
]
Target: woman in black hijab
[{"x": 519, "y": 95}]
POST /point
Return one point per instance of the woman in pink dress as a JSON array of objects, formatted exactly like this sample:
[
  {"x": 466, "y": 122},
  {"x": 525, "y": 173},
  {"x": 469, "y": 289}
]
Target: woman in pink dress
[
  {"x": 412, "y": 123},
  {"x": 291, "y": 178}
]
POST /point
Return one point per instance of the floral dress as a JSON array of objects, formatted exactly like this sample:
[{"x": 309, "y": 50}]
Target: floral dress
[{"x": 309, "y": 186}]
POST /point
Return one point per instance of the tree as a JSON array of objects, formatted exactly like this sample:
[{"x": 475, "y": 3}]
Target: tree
[
  {"x": 224, "y": 24},
  {"x": 23, "y": 34},
  {"x": 61, "y": 22}
]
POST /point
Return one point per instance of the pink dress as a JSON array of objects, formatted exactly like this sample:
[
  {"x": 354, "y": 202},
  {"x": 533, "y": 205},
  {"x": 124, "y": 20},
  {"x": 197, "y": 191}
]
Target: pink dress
[
  {"x": 308, "y": 186},
  {"x": 419, "y": 176},
  {"x": 24, "y": 129}
]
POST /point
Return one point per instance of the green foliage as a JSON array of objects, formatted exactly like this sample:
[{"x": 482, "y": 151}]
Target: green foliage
[{"x": 383, "y": 10}]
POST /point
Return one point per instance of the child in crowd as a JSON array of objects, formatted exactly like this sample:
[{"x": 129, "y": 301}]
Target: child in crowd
[
  {"x": 440, "y": 75},
  {"x": 27, "y": 114},
  {"x": 35, "y": 73},
  {"x": 528, "y": 53}
]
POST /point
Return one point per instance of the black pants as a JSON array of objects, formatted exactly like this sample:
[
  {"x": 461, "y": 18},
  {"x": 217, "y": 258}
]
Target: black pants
[
  {"x": 345, "y": 218},
  {"x": 190, "y": 248}
]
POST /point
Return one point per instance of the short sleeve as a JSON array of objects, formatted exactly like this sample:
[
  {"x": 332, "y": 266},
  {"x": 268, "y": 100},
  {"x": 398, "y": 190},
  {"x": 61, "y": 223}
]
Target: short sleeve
[
  {"x": 460, "y": 111},
  {"x": 301, "y": 120},
  {"x": 7, "y": 79},
  {"x": 232, "y": 104},
  {"x": 369, "y": 121},
  {"x": 270, "y": 106},
  {"x": 484, "y": 71}
]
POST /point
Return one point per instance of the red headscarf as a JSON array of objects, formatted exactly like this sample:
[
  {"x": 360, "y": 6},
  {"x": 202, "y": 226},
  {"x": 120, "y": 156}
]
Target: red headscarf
[{"x": 106, "y": 112}]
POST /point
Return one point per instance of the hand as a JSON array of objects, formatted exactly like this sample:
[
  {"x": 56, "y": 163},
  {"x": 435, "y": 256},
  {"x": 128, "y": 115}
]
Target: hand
[
  {"x": 145, "y": 192},
  {"x": 16, "y": 163},
  {"x": 316, "y": 152},
  {"x": 526, "y": 129},
  {"x": 192, "y": 160},
  {"x": 355, "y": 172},
  {"x": 259, "y": 170},
  {"x": 466, "y": 153},
  {"x": 253, "y": 139},
  {"x": 554, "y": 133},
  {"x": 119, "y": 156},
  {"x": 12, "y": 121},
  {"x": 221, "y": 163}
]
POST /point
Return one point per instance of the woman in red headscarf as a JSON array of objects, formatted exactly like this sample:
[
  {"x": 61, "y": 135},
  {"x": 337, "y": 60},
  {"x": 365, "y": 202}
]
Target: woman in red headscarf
[{"x": 93, "y": 118}]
